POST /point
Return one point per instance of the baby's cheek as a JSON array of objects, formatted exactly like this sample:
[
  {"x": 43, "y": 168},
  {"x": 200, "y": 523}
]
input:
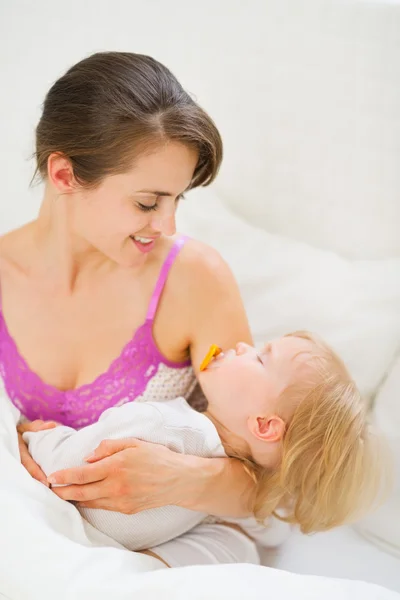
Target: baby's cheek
[{"x": 242, "y": 376}]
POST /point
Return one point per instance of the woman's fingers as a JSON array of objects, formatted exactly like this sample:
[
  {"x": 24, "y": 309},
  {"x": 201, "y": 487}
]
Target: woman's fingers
[
  {"x": 134, "y": 476},
  {"x": 81, "y": 475},
  {"x": 27, "y": 461},
  {"x": 109, "y": 447},
  {"x": 105, "y": 484},
  {"x": 80, "y": 493},
  {"x": 103, "y": 503},
  {"x": 37, "y": 425}
]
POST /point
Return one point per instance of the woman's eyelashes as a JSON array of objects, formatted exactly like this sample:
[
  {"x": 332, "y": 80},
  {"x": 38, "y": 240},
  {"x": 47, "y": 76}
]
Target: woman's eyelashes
[
  {"x": 146, "y": 207},
  {"x": 150, "y": 207}
]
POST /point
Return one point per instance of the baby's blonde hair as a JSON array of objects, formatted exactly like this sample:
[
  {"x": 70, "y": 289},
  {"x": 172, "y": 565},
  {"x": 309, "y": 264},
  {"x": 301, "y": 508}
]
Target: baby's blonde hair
[{"x": 333, "y": 467}]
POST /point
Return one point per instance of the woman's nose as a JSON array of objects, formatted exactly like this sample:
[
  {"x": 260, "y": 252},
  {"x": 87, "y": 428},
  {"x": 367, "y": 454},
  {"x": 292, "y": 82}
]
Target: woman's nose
[{"x": 164, "y": 222}]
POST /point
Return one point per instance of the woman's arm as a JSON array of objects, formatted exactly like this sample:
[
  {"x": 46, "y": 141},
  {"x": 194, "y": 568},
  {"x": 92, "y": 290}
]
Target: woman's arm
[
  {"x": 221, "y": 487},
  {"x": 129, "y": 475},
  {"x": 216, "y": 315}
]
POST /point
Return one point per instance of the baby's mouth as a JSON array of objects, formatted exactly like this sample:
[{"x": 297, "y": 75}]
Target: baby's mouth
[
  {"x": 223, "y": 356},
  {"x": 217, "y": 361}
]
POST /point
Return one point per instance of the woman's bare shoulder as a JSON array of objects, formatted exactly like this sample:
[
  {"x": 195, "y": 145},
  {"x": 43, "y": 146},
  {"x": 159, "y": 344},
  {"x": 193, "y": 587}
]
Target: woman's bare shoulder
[
  {"x": 201, "y": 271},
  {"x": 201, "y": 257},
  {"x": 209, "y": 300},
  {"x": 6, "y": 254},
  {"x": 6, "y": 240},
  {"x": 13, "y": 247}
]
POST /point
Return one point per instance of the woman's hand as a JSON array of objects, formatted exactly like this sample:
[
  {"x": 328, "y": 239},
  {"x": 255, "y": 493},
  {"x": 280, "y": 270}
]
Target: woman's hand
[
  {"x": 33, "y": 468},
  {"x": 129, "y": 476}
]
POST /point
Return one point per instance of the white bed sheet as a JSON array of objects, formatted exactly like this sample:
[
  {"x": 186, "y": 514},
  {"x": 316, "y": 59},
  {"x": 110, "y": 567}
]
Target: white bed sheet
[
  {"x": 339, "y": 553},
  {"x": 47, "y": 551}
]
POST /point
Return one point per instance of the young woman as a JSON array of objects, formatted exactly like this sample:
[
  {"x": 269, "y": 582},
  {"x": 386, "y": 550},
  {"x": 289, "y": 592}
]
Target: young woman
[{"x": 100, "y": 299}]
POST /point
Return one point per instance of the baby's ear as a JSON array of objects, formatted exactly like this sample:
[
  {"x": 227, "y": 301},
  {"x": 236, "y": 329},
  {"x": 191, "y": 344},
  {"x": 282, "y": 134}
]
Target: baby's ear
[{"x": 267, "y": 429}]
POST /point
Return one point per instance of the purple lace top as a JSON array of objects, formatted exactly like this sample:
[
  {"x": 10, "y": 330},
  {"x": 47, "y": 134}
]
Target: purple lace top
[{"x": 124, "y": 381}]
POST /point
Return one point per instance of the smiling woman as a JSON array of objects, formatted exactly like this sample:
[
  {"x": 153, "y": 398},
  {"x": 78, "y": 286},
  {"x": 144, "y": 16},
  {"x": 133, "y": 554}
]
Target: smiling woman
[
  {"x": 101, "y": 301},
  {"x": 116, "y": 212}
]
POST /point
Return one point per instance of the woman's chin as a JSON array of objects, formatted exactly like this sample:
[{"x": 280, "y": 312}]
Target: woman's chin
[{"x": 128, "y": 258}]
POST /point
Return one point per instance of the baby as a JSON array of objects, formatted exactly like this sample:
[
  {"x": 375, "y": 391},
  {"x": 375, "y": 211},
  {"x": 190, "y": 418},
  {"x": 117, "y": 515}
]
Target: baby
[{"x": 290, "y": 412}]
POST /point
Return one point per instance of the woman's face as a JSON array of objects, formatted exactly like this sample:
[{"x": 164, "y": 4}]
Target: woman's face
[{"x": 125, "y": 215}]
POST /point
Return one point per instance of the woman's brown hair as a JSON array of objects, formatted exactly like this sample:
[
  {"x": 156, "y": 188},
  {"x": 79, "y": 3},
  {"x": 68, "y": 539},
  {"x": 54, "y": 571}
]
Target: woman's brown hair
[{"x": 112, "y": 106}]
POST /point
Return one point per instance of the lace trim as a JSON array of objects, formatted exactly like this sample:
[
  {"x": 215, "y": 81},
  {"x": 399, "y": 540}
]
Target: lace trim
[{"x": 125, "y": 380}]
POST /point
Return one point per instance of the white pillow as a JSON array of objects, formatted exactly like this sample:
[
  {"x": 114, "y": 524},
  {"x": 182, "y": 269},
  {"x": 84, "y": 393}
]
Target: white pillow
[
  {"x": 288, "y": 285},
  {"x": 383, "y": 527},
  {"x": 312, "y": 127}
]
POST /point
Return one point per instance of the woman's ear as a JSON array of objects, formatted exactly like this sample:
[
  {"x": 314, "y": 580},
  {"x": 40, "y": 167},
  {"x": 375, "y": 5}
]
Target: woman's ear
[
  {"x": 60, "y": 173},
  {"x": 267, "y": 429}
]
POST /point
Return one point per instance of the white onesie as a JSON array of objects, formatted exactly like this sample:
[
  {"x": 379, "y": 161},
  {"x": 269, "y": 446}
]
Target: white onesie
[{"x": 177, "y": 426}]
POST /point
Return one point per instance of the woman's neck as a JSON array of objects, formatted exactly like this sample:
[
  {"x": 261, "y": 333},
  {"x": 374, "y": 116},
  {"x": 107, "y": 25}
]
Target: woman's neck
[{"x": 63, "y": 255}]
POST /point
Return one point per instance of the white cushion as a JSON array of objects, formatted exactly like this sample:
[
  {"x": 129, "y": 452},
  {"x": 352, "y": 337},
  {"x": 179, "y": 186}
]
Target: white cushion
[
  {"x": 383, "y": 527},
  {"x": 287, "y": 285}
]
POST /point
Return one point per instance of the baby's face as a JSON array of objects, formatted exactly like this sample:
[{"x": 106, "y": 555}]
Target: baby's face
[{"x": 243, "y": 382}]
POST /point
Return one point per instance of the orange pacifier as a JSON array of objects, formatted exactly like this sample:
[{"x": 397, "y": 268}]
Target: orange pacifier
[{"x": 212, "y": 353}]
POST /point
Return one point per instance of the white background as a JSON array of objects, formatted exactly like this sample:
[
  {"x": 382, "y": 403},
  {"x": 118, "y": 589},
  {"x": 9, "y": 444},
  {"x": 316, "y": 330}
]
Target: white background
[{"x": 306, "y": 93}]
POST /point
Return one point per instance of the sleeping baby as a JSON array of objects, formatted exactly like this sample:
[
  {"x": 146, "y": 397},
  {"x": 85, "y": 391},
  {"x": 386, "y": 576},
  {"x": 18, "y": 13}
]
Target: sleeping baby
[{"x": 290, "y": 412}]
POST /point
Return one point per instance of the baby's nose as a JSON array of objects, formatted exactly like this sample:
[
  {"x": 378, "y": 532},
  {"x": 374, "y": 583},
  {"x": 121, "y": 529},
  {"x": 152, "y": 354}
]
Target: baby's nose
[{"x": 242, "y": 348}]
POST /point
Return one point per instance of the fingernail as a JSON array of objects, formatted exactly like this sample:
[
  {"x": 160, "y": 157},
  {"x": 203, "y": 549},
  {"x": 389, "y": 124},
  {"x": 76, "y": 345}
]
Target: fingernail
[
  {"x": 51, "y": 480},
  {"x": 90, "y": 456}
]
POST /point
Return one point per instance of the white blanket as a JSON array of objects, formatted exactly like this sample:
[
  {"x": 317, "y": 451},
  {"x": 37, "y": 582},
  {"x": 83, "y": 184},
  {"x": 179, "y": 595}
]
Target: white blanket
[{"x": 48, "y": 551}]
